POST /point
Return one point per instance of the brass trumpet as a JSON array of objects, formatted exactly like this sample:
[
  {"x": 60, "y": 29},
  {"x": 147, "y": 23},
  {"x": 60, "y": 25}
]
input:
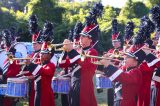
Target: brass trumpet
[
  {"x": 11, "y": 59},
  {"x": 51, "y": 46},
  {"x": 116, "y": 54},
  {"x": 84, "y": 56}
]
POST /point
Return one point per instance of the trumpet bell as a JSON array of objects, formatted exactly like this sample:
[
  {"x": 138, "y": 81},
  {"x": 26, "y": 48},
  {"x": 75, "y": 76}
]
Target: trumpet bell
[
  {"x": 54, "y": 46},
  {"x": 158, "y": 47},
  {"x": 83, "y": 58},
  {"x": 59, "y": 49}
]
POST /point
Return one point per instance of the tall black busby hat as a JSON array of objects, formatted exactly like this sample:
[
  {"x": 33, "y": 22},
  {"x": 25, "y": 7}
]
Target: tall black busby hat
[
  {"x": 115, "y": 34},
  {"x": 129, "y": 32},
  {"x": 155, "y": 16},
  {"x": 91, "y": 28},
  {"x": 47, "y": 32},
  {"x": 33, "y": 19},
  {"x": 33, "y": 25},
  {"x": 114, "y": 26},
  {"x": 77, "y": 30},
  {"x": 6, "y": 35},
  {"x": 136, "y": 51},
  {"x": 70, "y": 35}
]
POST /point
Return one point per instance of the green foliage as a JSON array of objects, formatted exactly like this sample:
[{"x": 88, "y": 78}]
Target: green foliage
[
  {"x": 153, "y": 2},
  {"x": 64, "y": 15},
  {"x": 134, "y": 10},
  {"x": 45, "y": 10},
  {"x": 8, "y": 19},
  {"x": 139, "y": 9}
]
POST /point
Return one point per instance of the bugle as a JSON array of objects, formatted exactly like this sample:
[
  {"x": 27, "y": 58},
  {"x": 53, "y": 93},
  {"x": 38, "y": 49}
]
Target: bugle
[
  {"x": 116, "y": 54},
  {"x": 51, "y": 46},
  {"x": 84, "y": 56},
  {"x": 12, "y": 58},
  {"x": 56, "y": 46}
]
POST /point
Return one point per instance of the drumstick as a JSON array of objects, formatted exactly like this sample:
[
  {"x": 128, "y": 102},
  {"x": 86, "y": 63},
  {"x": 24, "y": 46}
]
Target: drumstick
[
  {"x": 22, "y": 73},
  {"x": 64, "y": 75},
  {"x": 22, "y": 77}
]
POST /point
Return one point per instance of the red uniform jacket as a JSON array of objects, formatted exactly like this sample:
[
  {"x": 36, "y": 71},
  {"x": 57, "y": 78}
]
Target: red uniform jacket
[
  {"x": 87, "y": 71},
  {"x": 69, "y": 61},
  {"x": 45, "y": 73},
  {"x": 36, "y": 60},
  {"x": 87, "y": 97},
  {"x": 157, "y": 83},
  {"x": 154, "y": 62},
  {"x": 10, "y": 71},
  {"x": 131, "y": 82},
  {"x": 144, "y": 94}
]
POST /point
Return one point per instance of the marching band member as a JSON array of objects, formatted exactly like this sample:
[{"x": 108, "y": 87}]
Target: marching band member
[
  {"x": 129, "y": 32},
  {"x": 36, "y": 60},
  {"x": 82, "y": 72},
  {"x": 43, "y": 92},
  {"x": 155, "y": 15},
  {"x": 36, "y": 44},
  {"x": 144, "y": 32},
  {"x": 86, "y": 76},
  {"x": 37, "y": 40},
  {"x": 9, "y": 49},
  {"x": 134, "y": 61},
  {"x": 65, "y": 71},
  {"x": 74, "y": 36},
  {"x": 130, "y": 80},
  {"x": 9, "y": 70},
  {"x": 68, "y": 60},
  {"x": 116, "y": 42},
  {"x": 156, "y": 77},
  {"x": 82, "y": 88}
]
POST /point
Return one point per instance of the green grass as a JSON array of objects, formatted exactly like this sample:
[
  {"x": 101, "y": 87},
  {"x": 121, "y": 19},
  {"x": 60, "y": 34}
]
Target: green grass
[{"x": 101, "y": 99}]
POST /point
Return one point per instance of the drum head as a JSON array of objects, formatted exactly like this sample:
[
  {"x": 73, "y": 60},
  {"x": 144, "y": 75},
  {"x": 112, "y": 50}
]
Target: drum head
[
  {"x": 3, "y": 57},
  {"x": 29, "y": 47},
  {"x": 17, "y": 80},
  {"x": 21, "y": 49},
  {"x": 60, "y": 78},
  {"x": 3, "y": 85}
]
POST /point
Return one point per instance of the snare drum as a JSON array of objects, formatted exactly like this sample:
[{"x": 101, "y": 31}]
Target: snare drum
[
  {"x": 103, "y": 82},
  {"x": 17, "y": 87},
  {"x": 61, "y": 85},
  {"x": 3, "y": 88}
]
